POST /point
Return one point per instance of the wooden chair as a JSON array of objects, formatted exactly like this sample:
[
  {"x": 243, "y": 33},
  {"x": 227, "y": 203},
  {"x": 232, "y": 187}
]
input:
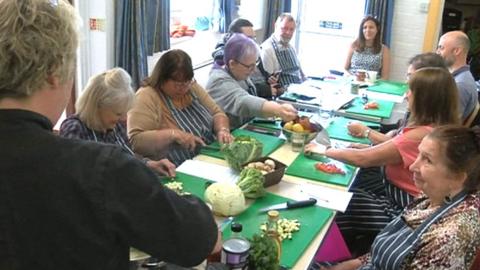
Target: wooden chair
[{"x": 473, "y": 115}]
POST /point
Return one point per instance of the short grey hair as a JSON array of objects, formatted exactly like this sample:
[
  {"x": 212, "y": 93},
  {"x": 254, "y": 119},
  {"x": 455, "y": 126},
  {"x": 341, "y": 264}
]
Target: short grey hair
[
  {"x": 38, "y": 38},
  {"x": 110, "y": 89},
  {"x": 285, "y": 17}
]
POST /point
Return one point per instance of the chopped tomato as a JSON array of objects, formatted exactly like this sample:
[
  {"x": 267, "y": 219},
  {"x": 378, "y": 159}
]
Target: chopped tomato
[
  {"x": 371, "y": 105},
  {"x": 328, "y": 168}
]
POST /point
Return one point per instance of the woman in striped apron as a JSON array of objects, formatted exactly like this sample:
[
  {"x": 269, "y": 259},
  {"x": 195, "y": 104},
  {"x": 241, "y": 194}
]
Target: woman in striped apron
[
  {"x": 100, "y": 110},
  {"x": 173, "y": 116},
  {"x": 380, "y": 197},
  {"x": 440, "y": 230}
]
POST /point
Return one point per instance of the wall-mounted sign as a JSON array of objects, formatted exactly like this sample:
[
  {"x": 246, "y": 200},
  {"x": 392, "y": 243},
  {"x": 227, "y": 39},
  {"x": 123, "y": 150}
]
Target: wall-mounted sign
[{"x": 330, "y": 25}]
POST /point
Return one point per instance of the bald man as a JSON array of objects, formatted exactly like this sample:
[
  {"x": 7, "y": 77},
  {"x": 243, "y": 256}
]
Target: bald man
[{"x": 453, "y": 47}]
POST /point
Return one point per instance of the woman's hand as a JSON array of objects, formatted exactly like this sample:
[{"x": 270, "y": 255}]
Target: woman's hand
[
  {"x": 224, "y": 136},
  {"x": 287, "y": 112},
  {"x": 315, "y": 148},
  {"x": 187, "y": 140},
  {"x": 163, "y": 166},
  {"x": 357, "y": 129},
  {"x": 358, "y": 145}
]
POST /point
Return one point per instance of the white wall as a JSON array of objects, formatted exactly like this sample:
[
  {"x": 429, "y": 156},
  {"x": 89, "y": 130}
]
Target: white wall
[
  {"x": 96, "y": 47},
  {"x": 409, "y": 24}
]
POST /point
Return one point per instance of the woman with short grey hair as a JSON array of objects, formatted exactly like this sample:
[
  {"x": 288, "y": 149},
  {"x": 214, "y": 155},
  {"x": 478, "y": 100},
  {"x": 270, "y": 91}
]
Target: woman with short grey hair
[
  {"x": 101, "y": 113},
  {"x": 233, "y": 90}
]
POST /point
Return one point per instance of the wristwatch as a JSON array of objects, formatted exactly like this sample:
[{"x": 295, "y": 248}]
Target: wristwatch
[{"x": 366, "y": 133}]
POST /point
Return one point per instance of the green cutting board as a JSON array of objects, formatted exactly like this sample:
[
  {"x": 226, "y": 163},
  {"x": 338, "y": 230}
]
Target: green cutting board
[
  {"x": 270, "y": 143},
  {"x": 337, "y": 129},
  {"x": 312, "y": 219},
  {"x": 389, "y": 87},
  {"x": 384, "y": 108},
  {"x": 305, "y": 167}
]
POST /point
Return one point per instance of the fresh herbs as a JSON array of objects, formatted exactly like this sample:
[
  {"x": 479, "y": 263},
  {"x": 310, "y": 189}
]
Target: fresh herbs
[{"x": 263, "y": 253}]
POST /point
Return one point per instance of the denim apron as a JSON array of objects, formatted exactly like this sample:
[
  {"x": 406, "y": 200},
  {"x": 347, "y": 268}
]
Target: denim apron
[
  {"x": 398, "y": 240},
  {"x": 194, "y": 119},
  {"x": 288, "y": 61}
]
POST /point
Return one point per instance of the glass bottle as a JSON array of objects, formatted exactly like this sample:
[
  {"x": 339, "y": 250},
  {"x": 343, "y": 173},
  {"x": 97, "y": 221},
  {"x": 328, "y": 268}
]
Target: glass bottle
[
  {"x": 236, "y": 249},
  {"x": 272, "y": 231}
]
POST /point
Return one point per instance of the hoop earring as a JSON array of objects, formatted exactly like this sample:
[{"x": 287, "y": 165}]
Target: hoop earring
[{"x": 447, "y": 199}]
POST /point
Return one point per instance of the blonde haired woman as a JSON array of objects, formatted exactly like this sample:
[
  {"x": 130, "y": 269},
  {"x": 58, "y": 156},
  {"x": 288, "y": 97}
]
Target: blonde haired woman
[{"x": 101, "y": 111}]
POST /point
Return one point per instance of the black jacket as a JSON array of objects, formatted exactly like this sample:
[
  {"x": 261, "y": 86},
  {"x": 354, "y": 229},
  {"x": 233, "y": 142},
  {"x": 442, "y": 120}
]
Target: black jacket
[{"x": 70, "y": 204}]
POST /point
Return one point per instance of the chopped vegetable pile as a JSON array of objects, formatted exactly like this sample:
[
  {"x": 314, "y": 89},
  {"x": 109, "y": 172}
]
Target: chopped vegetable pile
[
  {"x": 371, "y": 105},
  {"x": 242, "y": 150},
  {"x": 285, "y": 227},
  {"x": 328, "y": 168},
  {"x": 177, "y": 187},
  {"x": 251, "y": 182}
]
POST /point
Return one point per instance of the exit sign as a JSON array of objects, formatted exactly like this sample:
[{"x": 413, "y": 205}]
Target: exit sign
[{"x": 330, "y": 25}]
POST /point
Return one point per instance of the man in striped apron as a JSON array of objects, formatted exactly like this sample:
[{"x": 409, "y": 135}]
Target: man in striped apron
[{"x": 279, "y": 56}]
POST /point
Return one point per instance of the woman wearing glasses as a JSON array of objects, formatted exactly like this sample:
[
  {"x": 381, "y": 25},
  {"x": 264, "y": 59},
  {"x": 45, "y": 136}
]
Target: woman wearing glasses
[
  {"x": 173, "y": 116},
  {"x": 232, "y": 88},
  {"x": 101, "y": 111}
]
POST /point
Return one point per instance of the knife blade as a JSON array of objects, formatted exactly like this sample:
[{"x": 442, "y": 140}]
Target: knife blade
[
  {"x": 264, "y": 121},
  {"x": 262, "y": 130},
  {"x": 289, "y": 205},
  {"x": 347, "y": 105},
  {"x": 211, "y": 147}
]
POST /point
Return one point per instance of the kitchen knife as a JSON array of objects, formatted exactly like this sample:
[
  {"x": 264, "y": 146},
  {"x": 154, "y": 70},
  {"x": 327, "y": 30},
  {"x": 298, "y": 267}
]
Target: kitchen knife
[
  {"x": 264, "y": 121},
  {"x": 289, "y": 205},
  {"x": 347, "y": 105},
  {"x": 211, "y": 147}
]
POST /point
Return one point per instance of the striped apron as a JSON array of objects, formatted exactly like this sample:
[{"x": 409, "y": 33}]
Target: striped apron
[
  {"x": 398, "y": 240},
  {"x": 375, "y": 203},
  {"x": 194, "y": 119},
  {"x": 288, "y": 61},
  {"x": 118, "y": 140}
]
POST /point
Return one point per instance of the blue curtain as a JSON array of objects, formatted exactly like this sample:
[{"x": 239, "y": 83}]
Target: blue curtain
[
  {"x": 274, "y": 9},
  {"x": 158, "y": 25},
  {"x": 225, "y": 13},
  {"x": 383, "y": 11},
  {"x": 141, "y": 28}
]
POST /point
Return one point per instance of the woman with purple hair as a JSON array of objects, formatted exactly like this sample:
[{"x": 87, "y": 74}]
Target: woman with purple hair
[{"x": 233, "y": 90}]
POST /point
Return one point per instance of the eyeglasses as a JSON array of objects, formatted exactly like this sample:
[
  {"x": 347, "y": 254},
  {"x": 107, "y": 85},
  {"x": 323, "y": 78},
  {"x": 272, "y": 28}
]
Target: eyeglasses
[
  {"x": 249, "y": 67},
  {"x": 183, "y": 84}
]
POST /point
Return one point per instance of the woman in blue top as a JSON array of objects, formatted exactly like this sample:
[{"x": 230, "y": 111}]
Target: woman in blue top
[{"x": 367, "y": 52}]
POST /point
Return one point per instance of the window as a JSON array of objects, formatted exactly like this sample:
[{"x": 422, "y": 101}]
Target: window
[{"x": 325, "y": 31}]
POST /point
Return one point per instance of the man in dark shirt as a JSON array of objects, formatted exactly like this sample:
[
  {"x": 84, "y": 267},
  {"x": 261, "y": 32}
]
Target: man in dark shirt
[
  {"x": 453, "y": 47},
  {"x": 67, "y": 204}
]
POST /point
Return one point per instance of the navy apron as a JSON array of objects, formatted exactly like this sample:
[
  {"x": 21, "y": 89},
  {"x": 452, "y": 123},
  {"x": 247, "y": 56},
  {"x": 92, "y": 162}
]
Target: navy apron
[
  {"x": 288, "y": 61},
  {"x": 398, "y": 240},
  {"x": 194, "y": 119}
]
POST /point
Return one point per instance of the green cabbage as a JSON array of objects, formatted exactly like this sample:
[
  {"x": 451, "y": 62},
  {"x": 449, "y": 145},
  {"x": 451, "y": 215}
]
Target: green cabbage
[
  {"x": 242, "y": 150},
  {"x": 251, "y": 182}
]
